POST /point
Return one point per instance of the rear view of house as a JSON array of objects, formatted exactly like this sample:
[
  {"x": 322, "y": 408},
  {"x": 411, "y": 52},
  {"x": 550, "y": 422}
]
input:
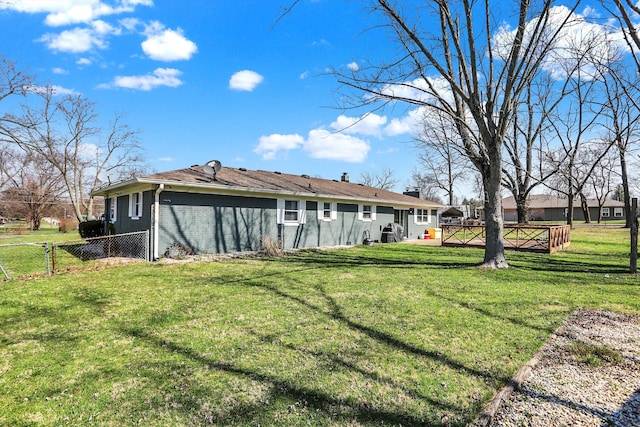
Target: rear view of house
[{"x": 220, "y": 210}]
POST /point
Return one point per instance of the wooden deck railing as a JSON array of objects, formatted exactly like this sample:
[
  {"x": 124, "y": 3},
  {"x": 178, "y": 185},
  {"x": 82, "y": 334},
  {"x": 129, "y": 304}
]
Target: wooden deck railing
[{"x": 524, "y": 237}]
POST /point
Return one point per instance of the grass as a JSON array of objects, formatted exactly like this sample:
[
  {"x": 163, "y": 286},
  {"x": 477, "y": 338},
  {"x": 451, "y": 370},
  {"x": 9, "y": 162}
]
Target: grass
[
  {"x": 595, "y": 355},
  {"x": 371, "y": 335}
]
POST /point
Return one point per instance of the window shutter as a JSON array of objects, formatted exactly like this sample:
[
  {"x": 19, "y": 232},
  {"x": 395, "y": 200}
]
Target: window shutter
[
  {"x": 334, "y": 211},
  {"x": 302, "y": 212},
  {"x": 373, "y": 212},
  {"x": 360, "y": 212},
  {"x": 280, "y": 212}
]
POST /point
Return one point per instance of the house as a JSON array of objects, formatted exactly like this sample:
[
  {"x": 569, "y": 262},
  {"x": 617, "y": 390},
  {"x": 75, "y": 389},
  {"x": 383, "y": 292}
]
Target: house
[
  {"x": 543, "y": 207},
  {"x": 219, "y": 210}
]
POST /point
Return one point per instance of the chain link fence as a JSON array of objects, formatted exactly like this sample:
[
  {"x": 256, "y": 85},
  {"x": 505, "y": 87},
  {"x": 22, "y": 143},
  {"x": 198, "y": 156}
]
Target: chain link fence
[{"x": 24, "y": 259}]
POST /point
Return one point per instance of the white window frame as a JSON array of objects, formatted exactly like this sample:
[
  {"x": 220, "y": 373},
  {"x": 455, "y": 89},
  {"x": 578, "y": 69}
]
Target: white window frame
[
  {"x": 618, "y": 212},
  {"x": 420, "y": 219},
  {"x": 113, "y": 209},
  {"x": 606, "y": 213},
  {"x": 332, "y": 211},
  {"x": 301, "y": 211},
  {"x": 135, "y": 205},
  {"x": 362, "y": 212}
]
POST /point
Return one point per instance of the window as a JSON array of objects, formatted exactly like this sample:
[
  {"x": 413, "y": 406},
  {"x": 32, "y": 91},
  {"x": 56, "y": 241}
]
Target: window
[
  {"x": 366, "y": 212},
  {"x": 617, "y": 212},
  {"x": 291, "y": 212},
  {"x": 113, "y": 209},
  {"x": 422, "y": 216},
  {"x": 327, "y": 211},
  {"x": 605, "y": 212},
  {"x": 135, "y": 205}
]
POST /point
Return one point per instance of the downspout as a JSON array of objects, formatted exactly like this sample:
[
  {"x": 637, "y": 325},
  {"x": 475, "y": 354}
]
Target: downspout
[{"x": 156, "y": 221}]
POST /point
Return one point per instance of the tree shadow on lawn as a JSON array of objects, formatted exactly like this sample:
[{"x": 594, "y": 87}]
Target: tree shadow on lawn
[
  {"x": 399, "y": 255},
  {"x": 280, "y": 389}
]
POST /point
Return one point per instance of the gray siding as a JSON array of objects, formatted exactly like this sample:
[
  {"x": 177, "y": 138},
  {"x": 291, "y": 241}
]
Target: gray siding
[
  {"x": 215, "y": 224},
  {"x": 346, "y": 229},
  {"x": 124, "y": 223}
]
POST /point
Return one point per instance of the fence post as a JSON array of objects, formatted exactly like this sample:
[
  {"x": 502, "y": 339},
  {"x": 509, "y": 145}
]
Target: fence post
[
  {"x": 46, "y": 258},
  {"x": 633, "y": 262},
  {"x": 53, "y": 257}
]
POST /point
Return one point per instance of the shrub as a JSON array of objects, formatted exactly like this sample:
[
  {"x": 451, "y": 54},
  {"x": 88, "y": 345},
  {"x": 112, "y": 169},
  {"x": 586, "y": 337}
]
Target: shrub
[
  {"x": 90, "y": 229},
  {"x": 272, "y": 246},
  {"x": 66, "y": 225},
  {"x": 178, "y": 251}
]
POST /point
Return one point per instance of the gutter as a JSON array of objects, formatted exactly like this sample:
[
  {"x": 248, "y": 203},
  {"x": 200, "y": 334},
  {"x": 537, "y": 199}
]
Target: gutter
[{"x": 156, "y": 221}]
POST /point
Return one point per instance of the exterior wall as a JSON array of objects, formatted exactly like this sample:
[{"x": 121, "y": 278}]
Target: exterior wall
[
  {"x": 220, "y": 223},
  {"x": 345, "y": 229},
  {"x": 214, "y": 223},
  {"x": 416, "y": 229},
  {"x": 124, "y": 223}
]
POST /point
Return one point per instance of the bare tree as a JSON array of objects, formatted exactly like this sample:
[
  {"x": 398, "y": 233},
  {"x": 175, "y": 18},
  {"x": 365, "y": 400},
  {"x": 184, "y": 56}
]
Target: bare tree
[
  {"x": 62, "y": 130},
  {"x": 622, "y": 11},
  {"x": 427, "y": 187},
  {"x": 603, "y": 181},
  {"x": 622, "y": 122},
  {"x": 470, "y": 69},
  {"x": 383, "y": 180},
  {"x": 29, "y": 189},
  {"x": 440, "y": 155}
]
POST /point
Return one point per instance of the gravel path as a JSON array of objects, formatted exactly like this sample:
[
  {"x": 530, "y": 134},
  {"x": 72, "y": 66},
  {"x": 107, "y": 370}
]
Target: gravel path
[{"x": 560, "y": 388}]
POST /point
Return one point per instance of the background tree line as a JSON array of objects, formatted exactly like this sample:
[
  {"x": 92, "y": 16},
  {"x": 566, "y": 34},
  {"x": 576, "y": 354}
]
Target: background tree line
[{"x": 55, "y": 149}]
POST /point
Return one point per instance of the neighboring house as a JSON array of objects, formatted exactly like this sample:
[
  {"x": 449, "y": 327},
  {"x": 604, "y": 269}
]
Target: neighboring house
[
  {"x": 543, "y": 207},
  {"x": 235, "y": 209}
]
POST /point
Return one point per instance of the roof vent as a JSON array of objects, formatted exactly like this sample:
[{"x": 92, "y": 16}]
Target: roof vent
[
  {"x": 305, "y": 176},
  {"x": 278, "y": 173},
  {"x": 243, "y": 169},
  {"x": 345, "y": 177}
]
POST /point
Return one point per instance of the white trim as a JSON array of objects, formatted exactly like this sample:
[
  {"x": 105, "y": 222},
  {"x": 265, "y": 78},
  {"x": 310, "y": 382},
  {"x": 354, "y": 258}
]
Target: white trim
[
  {"x": 416, "y": 216},
  {"x": 302, "y": 212},
  {"x": 618, "y": 212},
  {"x": 113, "y": 209},
  {"x": 135, "y": 206},
  {"x": 333, "y": 211},
  {"x": 361, "y": 212},
  {"x": 606, "y": 212}
]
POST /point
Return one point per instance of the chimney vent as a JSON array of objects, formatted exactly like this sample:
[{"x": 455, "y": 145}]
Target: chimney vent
[{"x": 345, "y": 177}]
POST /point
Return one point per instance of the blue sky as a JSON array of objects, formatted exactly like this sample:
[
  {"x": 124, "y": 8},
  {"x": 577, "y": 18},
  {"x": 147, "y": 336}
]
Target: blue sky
[{"x": 218, "y": 79}]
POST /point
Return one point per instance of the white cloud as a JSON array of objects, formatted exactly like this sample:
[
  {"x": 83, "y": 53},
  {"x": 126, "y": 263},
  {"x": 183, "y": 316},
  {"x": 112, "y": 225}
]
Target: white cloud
[
  {"x": 58, "y": 70},
  {"x": 411, "y": 124},
  {"x": 165, "y": 159},
  {"x": 161, "y": 77},
  {"x": 69, "y": 12},
  {"x": 83, "y": 61},
  {"x": 322, "y": 144},
  {"x": 78, "y": 40},
  {"x": 369, "y": 124},
  {"x": 304, "y": 75},
  {"x": 269, "y": 146},
  {"x": 167, "y": 45},
  {"x": 353, "y": 66},
  {"x": 245, "y": 80}
]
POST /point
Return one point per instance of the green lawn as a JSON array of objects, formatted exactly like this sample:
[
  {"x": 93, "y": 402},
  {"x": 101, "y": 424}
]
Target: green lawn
[{"x": 381, "y": 335}]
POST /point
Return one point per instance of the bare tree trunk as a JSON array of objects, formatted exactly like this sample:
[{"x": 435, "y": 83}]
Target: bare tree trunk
[
  {"x": 625, "y": 186},
  {"x": 494, "y": 221},
  {"x": 584, "y": 204}
]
